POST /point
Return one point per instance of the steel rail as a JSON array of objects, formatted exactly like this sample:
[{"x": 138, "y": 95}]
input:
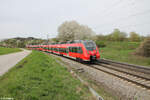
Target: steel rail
[
  {"x": 139, "y": 76},
  {"x": 137, "y": 68},
  {"x": 121, "y": 77}
]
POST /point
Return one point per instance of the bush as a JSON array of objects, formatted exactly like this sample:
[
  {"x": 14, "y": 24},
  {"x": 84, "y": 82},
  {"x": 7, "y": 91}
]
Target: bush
[
  {"x": 144, "y": 49},
  {"x": 134, "y": 37},
  {"x": 100, "y": 44}
]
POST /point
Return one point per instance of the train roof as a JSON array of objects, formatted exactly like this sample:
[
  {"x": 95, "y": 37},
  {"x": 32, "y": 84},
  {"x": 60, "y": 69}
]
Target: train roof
[{"x": 67, "y": 42}]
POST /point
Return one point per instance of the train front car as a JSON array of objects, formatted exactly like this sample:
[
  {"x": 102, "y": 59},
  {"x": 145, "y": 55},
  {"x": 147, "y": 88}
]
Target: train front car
[{"x": 91, "y": 51}]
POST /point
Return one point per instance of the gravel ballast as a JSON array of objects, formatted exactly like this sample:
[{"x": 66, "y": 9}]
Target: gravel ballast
[{"x": 122, "y": 89}]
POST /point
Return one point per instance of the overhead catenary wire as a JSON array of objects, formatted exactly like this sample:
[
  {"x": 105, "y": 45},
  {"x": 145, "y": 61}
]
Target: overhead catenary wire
[
  {"x": 129, "y": 17},
  {"x": 111, "y": 7},
  {"x": 115, "y": 5}
]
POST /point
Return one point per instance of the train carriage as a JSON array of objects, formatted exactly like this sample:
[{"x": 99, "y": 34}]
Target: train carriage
[{"x": 78, "y": 49}]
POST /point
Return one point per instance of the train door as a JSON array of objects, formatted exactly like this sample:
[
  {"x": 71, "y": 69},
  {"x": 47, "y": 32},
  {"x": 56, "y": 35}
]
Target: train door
[
  {"x": 67, "y": 51},
  {"x": 70, "y": 51}
]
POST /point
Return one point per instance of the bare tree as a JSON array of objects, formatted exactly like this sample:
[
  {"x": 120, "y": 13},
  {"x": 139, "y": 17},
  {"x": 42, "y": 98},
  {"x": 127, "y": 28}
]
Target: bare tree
[
  {"x": 74, "y": 31},
  {"x": 144, "y": 48}
]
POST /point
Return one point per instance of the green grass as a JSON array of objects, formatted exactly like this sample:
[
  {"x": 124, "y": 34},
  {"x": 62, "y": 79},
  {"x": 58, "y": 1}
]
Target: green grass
[
  {"x": 124, "y": 52},
  {"x": 40, "y": 77},
  {"x": 8, "y": 50}
]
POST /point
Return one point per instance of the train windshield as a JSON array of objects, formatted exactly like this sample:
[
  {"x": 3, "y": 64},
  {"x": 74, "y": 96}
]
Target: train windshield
[{"x": 90, "y": 45}]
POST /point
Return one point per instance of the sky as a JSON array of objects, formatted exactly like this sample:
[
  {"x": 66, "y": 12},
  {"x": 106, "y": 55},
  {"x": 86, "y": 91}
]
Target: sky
[{"x": 41, "y": 18}]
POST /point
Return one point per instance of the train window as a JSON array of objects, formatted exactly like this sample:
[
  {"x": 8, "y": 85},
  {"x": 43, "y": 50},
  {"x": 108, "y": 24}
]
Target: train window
[
  {"x": 66, "y": 50},
  {"x": 62, "y": 50},
  {"x": 70, "y": 49},
  {"x": 80, "y": 50},
  {"x": 75, "y": 49}
]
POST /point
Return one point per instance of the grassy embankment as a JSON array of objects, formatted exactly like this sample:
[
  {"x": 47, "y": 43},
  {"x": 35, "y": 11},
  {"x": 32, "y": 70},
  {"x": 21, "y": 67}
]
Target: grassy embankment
[
  {"x": 124, "y": 52},
  {"x": 40, "y": 77},
  {"x": 8, "y": 50}
]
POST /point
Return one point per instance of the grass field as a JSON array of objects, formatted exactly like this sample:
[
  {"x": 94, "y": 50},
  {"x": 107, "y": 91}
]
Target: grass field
[
  {"x": 40, "y": 77},
  {"x": 8, "y": 50},
  {"x": 124, "y": 52}
]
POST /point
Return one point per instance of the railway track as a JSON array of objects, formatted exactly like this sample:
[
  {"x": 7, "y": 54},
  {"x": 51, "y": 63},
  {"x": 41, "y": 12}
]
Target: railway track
[
  {"x": 138, "y": 77},
  {"x": 137, "y": 68},
  {"x": 131, "y": 74}
]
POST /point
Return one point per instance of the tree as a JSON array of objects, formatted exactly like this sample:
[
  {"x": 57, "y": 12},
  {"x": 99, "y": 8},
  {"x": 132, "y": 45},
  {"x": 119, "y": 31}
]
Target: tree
[
  {"x": 134, "y": 37},
  {"x": 55, "y": 40},
  {"x": 74, "y": 31},
  {"x": 100, "y": 37},
  {"x": 117, "y": 35}
]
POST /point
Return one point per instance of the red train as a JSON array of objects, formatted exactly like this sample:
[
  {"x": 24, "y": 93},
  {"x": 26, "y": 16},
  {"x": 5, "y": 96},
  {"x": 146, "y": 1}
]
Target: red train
[{"x": 79, "y": 49}]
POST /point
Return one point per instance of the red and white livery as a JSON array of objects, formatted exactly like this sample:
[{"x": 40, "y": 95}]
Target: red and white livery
[{"x": 81, "y": 50}]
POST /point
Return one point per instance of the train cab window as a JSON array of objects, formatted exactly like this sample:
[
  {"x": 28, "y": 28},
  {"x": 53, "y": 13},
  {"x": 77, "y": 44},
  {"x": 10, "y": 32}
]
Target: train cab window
[{"x": 90, "y": 45}]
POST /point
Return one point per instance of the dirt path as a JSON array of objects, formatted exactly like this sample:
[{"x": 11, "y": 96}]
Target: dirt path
[{"x": 10, "y": 60}]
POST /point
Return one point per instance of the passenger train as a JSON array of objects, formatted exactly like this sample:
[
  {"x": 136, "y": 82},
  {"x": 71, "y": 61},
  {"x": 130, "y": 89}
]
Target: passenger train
[{"x": 81, "y": 50}]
